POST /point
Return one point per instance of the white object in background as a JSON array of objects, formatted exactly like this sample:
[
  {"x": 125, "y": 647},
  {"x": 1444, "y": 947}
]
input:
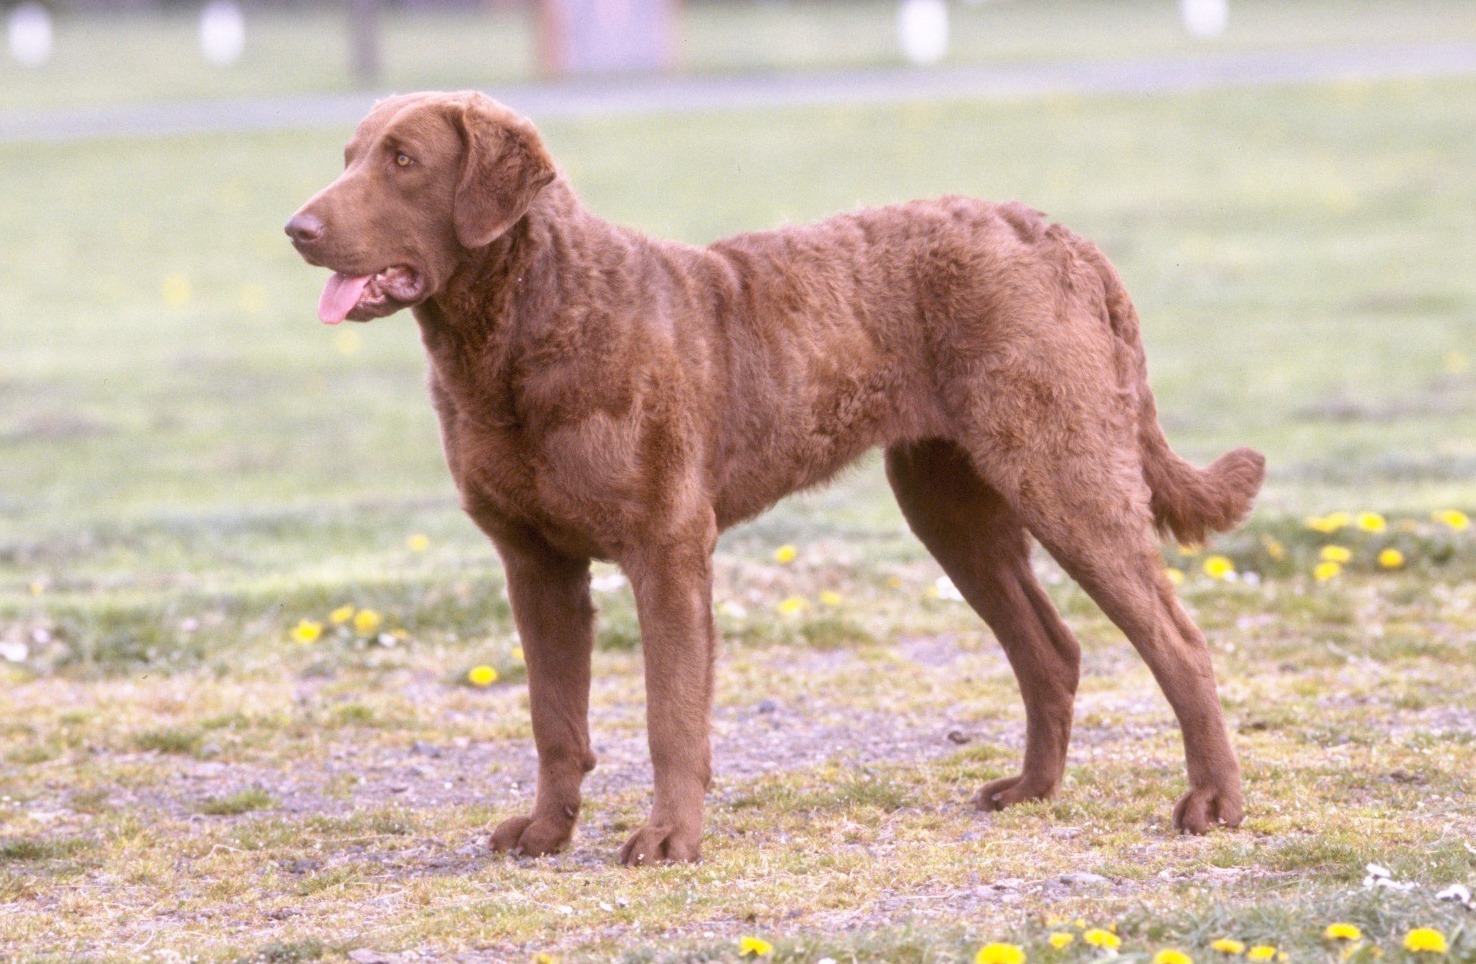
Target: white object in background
[
  {"x": 222, "y": 32},
  {"x": 1205, "y": 18},
  {"x": 922, "y": 29},
  {"x": 29, "y": 31}
]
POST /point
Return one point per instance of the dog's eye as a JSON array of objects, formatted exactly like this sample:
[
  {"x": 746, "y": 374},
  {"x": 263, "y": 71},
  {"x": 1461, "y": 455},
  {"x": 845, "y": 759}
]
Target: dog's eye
[{"x": 403, "y": 160}]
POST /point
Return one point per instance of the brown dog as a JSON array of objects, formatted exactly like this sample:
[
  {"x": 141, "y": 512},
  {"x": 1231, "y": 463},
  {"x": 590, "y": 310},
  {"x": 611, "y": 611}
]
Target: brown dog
[{"x": 605, "y": 395}]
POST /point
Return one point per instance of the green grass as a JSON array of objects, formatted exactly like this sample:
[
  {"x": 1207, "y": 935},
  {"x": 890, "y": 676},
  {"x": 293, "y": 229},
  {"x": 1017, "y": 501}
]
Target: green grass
[{"x": 190, "y": 464}]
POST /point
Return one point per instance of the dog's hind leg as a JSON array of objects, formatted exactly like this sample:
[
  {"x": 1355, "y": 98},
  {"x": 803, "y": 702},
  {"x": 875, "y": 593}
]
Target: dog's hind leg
[
  {"x": 982, "y": 546},
  {"x": 1088, "y": 505}
]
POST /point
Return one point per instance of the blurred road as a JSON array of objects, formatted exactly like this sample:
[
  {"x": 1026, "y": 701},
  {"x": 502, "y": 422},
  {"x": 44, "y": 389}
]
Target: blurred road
[{"x": 653, "y": 95}]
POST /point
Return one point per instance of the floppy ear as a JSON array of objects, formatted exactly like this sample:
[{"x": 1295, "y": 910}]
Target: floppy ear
[{"x": 504, "y": 168}]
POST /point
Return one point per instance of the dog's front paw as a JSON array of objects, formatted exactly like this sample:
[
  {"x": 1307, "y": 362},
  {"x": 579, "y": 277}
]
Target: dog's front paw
[
  {"x": 1203, "y": 807},
  {"x": 531, "y": 836},
  {"x": 1006, "y": 792},
  {"x": 655, "y": 844}
]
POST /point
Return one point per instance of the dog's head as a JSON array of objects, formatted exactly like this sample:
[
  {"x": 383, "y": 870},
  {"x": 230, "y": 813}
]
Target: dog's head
[{"x": 427, "y": 179}]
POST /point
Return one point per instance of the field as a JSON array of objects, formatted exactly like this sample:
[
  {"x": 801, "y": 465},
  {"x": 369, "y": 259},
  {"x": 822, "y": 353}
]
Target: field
[{"x": 191, "y": 466}]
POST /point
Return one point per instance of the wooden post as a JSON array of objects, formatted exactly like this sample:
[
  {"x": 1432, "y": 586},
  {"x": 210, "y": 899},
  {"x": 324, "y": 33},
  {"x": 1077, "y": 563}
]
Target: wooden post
[{"x": 364, "y": 41}]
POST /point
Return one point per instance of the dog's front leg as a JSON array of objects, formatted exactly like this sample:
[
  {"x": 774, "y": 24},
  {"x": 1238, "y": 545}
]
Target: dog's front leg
[
  {"x": 673, "y": 593},
  {"x": 555, "y": 618}
]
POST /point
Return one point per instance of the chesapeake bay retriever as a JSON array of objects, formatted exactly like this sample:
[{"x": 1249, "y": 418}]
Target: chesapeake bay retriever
[{"x": 605, "y": 395}]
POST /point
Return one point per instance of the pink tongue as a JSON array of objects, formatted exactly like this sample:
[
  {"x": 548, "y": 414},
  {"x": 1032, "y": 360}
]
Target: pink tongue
[{"x": 340, "y": 295}]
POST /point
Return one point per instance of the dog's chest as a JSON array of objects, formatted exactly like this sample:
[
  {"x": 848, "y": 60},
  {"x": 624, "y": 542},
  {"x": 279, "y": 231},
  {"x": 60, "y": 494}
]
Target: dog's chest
[{"x": 579, "y": 482}]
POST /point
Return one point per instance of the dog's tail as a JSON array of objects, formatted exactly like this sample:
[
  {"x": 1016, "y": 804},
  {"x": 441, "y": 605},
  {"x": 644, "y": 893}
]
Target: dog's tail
[{"x": 1187, "y": 502}]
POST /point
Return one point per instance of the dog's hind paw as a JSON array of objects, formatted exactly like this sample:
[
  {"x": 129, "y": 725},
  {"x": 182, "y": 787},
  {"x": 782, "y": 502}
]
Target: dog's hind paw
[{"x": 531, "y": 836}]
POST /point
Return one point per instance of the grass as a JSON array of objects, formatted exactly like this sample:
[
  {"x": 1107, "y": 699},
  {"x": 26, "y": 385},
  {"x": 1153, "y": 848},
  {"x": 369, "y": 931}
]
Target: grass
[{"x": 189, "y": 465}]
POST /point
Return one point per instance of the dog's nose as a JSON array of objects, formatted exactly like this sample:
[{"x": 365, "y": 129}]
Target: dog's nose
[{"x": 304, "y": 228}]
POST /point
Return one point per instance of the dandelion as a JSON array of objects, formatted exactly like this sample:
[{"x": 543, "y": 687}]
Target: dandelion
[
  {"x": 1061, "y": 940},
  {"x": 544, "y": 959},
  {"x": 1426, "y": 939},
  {"x": 1391, "y": 558},
  {"x": 1218, "y": 567},
  {"x": 1000, "y": 954},
  {"x": 1343, "y": 932},
  {"x": 1338, "y": 554},
  {"x": 830, "y": 597},
  {"x": 1330, "y": 523},
  {"x": 481, "y": 675},
  {"x": 347, "y": 341},
  {"x": 1325, "y": 571},
  {"x": 366, "y": 621},
  {"x": 418, "y": 543},
  {"x": 1228, "y": 945},
  {"x": 785, "y": 554},
  {"x": 1170, "y": 956},
  {"x": 37, "y": 587},
  {"x": 1274, "y": 548},
  {"x": 517, "y": 654},
  {"x": 306, "y": 631},
  {"x": 1454, "y": 518},
  {"x": 792, "y": 606},
  {"x": 1371, "y": 522},
  {"x": 341, "y": 615},
  {"x": 1097, "y": 937},
  {"x": 754, "y": 947},
  {"x": 1174, "y": 576},
  {"x": 175, "y": 290},
  {"x": 1261, "y": 952}
]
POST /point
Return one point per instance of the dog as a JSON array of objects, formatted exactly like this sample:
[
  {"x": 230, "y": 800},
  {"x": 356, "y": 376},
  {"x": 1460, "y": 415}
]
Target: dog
[{"x": 606, "y": 395}]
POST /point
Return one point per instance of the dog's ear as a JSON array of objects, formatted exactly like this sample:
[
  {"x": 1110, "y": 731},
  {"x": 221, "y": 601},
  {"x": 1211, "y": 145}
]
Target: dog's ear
[{"x": 503, "y": 169}]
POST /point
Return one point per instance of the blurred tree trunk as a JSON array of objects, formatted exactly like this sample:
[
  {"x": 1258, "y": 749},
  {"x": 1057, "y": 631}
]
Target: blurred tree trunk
[{"x": 364, "y": 41}]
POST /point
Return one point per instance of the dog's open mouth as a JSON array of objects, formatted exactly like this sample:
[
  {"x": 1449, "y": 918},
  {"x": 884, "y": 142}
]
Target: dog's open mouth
[{"x": 362, "y": 297}]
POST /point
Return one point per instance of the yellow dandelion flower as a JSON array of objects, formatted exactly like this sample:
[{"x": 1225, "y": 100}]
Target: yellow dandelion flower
[
  {"x": 1061, "y": 940},
  {"x": 37, "y": 587},
  {"x": 1343, "y": 932},
  {"x": 517, "y": 654},
  {"x": 418, "y": 543},
  {"x": 481, "y": 675},
  {"x": 1391, "y": 558},
  {"x": 1454, "y": 518},
  {"x": 1000, "y": 954},
  {"x": 754, "y": 947},
  {"x": 1425, "y": 939},
  {"x": 1228, "y": 945},
  {"x": 792, "y": 606},
  {"x": 1097, "y": 937},
  {"x": 1218, "y": 567},
  {"x": 1170, "y": 956},
  {"x": 545, "y": 959},
  {"x": 366, "y": 621},
  {"x": 341, "y": 615},
  {"x": 1330, "y": 523},
  {"x": 1325, "y": 571},
  {"x": 1174, "y": 576},
  {"x": 1079, "y": 924},
  {"x": 1338, "y": 554},
  {"x": 830, "y": 597},
  {"x": 785, "y": 554},
  {"x": 175, "y": 290},
  {"x": 306, "y": 631},
  {"x": 1371, "y": 522},
  {"x": 1274, "y": 548},
  {"x": 1261, "y": 952}
]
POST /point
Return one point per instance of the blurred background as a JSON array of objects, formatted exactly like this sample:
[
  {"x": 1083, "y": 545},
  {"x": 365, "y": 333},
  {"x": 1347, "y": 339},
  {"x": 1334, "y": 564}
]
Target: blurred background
[{"x": 1285, "y": 184}]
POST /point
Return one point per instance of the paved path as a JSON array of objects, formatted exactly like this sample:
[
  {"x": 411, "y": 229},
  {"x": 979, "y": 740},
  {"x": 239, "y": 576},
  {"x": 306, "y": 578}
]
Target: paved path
[{"x": 703, "y": 93}]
